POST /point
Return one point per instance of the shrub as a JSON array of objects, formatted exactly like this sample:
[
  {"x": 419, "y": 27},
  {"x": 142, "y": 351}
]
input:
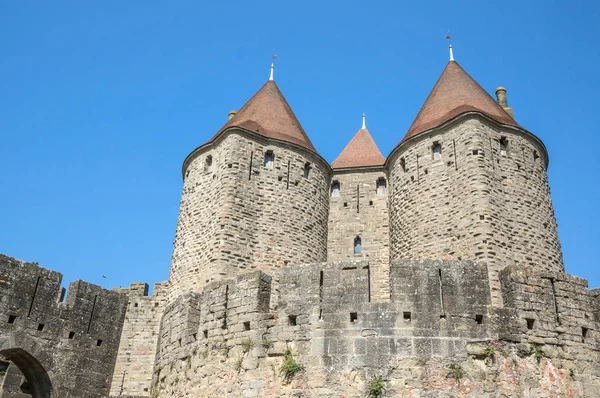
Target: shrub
[
  {"x": 267, "y": 344},
  {"x": 247, "y": 344},
  {"x": 538, "y": 352},
  {"x": 376, "y": 387},
  {"x": 289, "y": 367},
  {"x": 456, "y": 371}
]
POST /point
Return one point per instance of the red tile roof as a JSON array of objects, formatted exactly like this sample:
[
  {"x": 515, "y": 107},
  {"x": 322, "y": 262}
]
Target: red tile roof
[
  {"x": 268, "y": 114},
  {"x": 361, "y": 151},
  {"x": 455, "y": 93}
]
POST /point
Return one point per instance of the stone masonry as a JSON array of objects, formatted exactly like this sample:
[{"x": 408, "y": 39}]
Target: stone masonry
[
  {"x": 56, "y": 348},
  {"x": 434, "y": 272}
]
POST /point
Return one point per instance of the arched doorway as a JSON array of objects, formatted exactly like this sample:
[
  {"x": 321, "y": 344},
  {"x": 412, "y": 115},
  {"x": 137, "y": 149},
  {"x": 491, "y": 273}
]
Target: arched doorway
[{"x": 37, "y": 383}]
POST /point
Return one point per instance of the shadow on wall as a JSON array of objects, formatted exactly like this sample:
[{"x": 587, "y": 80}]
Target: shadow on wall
[{"x": 37, "y": 382}]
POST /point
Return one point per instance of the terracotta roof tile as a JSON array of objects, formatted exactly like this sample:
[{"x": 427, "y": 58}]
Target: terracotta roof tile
[
  {"x": 361, "y": 151},
  {"x": 268, "y": 114},
  {"x": 455, "y": 93}
]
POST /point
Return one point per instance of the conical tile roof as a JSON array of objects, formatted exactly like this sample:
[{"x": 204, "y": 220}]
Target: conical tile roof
[
  {"x": 455, "y": 93},
  {"x": 361, "y": 151},
  {"x": 268, "y": 114}
]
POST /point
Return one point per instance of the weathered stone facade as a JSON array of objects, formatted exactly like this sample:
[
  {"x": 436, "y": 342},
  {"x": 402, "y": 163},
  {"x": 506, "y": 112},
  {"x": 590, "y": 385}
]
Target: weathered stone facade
[
  {"x": 239, "y": 215},
  {"x": 361, "y": 211},
  {"x": 474, "y": 202},
  {"x": 56, "y": 348}
]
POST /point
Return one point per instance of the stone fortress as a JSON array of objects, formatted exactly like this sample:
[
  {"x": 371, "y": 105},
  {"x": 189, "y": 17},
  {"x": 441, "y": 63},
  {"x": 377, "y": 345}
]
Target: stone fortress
[{"x": 434, "y": 272}]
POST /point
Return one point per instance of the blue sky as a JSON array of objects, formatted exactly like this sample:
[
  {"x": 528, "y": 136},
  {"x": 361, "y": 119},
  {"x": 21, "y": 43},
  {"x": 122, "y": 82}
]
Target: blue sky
[{"x": 101, "y": 102}]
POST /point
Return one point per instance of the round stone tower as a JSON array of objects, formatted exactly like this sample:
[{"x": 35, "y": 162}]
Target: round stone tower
[
  {"x": 469, "y": 183},
  {"x": 255, "y": 197}
]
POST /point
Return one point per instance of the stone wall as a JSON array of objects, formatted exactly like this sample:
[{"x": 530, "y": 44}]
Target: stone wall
[
  {"x": 56, "y": 348},
  {"x": 139, "y": 340},
  {"x": 474, "y": 202},
  {"x": 360, "y": 211},
  {"x": 438, "y": 335},
  {"x": 238, "y": 215}
]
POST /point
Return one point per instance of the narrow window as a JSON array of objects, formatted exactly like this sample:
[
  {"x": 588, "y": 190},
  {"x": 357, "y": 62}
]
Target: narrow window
[
  {"x": 357, "y": 245},
  {"x": 503, "y": 146},
  {"x": 306, "y": 170},
  {"x": 436, "y": 151},
  {"x": 584, "y": 332},
  {"x": 535, "y": 156},
  {"x": 246, "y": 326},
  {"x": 205, "y": 333},
  {"x": 292, "y": 320},
  {"x": 479, "y": 319},
  {"x": 403, "y": 164},
  {"x": 40, "y": 327},
  {"x": 208, "y": 161},
  {"x": 407, "y": 316},
  {"x": 335, "y": 189},
  {"x": 71, "y": 335},
  {"x": 381, "y": 186},
  {"x": 269, "y": 159},
  {"x": 12, "y": 318},
  {"x": 99, "y": 343},
  {"x": 353, "y": 317},
  {"x": 530, "y": 323}
]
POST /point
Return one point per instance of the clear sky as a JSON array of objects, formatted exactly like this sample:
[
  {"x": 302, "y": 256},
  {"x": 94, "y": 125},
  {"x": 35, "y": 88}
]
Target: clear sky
[{"x": 101, "y": 102}]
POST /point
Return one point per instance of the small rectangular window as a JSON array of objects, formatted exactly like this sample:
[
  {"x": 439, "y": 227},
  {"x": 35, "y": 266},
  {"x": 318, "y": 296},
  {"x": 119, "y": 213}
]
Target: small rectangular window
[
  {"x": 246, "y": 326},
  {"x": 407, "y": 316},
  {"x": 292, "y": 320},
  {"x": 503, "y": 146},
  {"x": 40, "y": 327},
  {"x": 71, "y": 335},
  {"x": 584, "y": 332},
  {"x": 99, "y": 343},
  {"x": 269, "y": 159},
  {"x": 335, "y": 189},
  {"x": 436, "y": 151},
  {"x": 381, "y": 186},
  {"x": 479, "y": 319},
  {"x": 12, "y": 318},
  {"x": 403, "y": 164},
  {"x": 530, "y": 323},
  {"x": 353, "y": 317},
  {"x": 205, "y": 333},
  {"x": 306, "y": 170},
  {"x": 357, "y": 245}
]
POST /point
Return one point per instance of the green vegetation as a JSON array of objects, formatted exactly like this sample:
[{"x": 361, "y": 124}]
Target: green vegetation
[
  {"x": 238, "y": 364},
  {"x": 538, "y": 352},
  {"x": 456, "y": 371},
  {"x": 247, "y": 344},
  {"x": 375, "y": 387},
  {"x": 267, "y": 344},
  {"x": 289, "y": 367},
  {"x": 489, "y": 351}
]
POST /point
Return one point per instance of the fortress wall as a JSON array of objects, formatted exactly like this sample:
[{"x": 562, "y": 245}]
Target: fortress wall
[
  {"x": 242, "y": 215},
  {"x": 139, "y": 339},
  {"x": 473, "y": 203},
  {"x": 74, "y": 341},
  {"x": 361, "y": 211}
]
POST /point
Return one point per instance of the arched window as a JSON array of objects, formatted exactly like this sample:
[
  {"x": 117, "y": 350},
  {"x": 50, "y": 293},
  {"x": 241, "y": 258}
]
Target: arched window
[
  {"x": 381, "y": 186},
  {"x": 269, "y": 159},
  {"x": 357, "y": 245},
  {"x": 335, "y": 189},
  {"x": 306, "y": 169}
]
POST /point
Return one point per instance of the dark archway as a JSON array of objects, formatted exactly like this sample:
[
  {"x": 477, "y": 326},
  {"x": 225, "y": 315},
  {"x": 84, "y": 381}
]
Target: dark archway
[{"x": 37, "y": 379}]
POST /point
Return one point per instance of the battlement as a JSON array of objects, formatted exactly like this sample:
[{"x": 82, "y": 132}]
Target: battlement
[
  {"x": 439, "y": 311},
  {"x": 64, "y": 336}
]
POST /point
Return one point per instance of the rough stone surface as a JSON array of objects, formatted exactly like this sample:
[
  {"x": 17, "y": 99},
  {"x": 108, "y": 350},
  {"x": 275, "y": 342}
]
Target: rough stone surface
[
  {"x": 55, "y": 348},
  {"x": 361, "y": 210},
  {"x": 238, "y": 215},
  {"x": 474, "y": 202}
]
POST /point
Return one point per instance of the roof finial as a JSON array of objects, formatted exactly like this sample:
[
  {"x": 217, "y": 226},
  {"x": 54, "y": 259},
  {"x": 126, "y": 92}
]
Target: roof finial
[
  {"x": 364, "y": 126},
  {"x": 450, "y": 46},
  {"x": 272, "y": 65}
]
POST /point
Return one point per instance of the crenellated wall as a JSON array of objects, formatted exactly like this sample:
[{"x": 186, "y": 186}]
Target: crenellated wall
[
  {"x": 64, "y": 348},
  {"x": 361, "y": 211},
  {"x": 238, "y": 215},
  {"x": 473, "y": 202},
  {"x": 227, "y": 342},
  {"x": 137, "y": 347}
]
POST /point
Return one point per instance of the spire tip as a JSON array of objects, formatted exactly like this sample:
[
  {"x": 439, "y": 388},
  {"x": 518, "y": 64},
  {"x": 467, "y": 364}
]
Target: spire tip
[{"x": 364, "y": 121}]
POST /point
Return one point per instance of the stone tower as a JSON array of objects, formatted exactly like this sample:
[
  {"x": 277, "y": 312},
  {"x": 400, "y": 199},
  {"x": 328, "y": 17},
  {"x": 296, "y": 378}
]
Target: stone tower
[
  {"x": 255, "y": 197},
  {"x": 358, "y": 214},
  {"x": 469, "y": 183}
]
